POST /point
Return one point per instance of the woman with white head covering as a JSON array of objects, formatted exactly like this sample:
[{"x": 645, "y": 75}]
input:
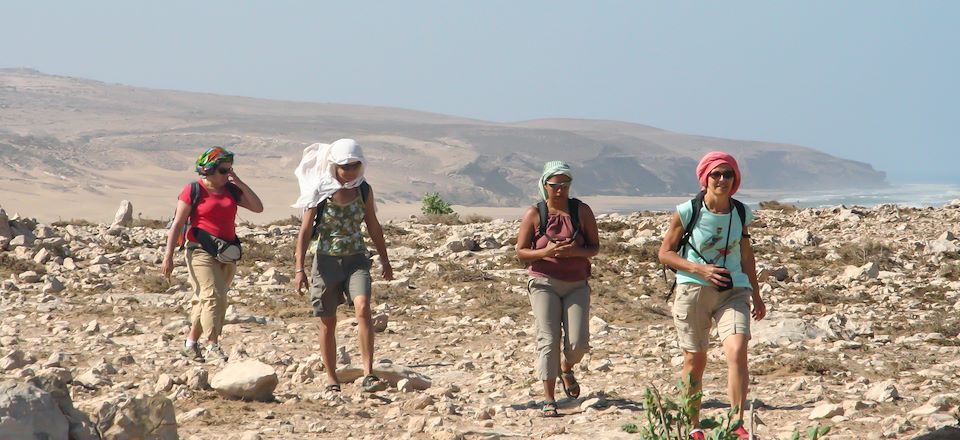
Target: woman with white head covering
[
  {"x": 337, "y": 200},
  {"x": 557, "y": 238}
]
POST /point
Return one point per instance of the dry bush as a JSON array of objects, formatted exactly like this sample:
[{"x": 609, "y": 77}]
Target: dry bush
[
  {"x": 10, "y": 265},
  {"x": 257, "y": 251},
  {"x": 74, "y": 222},
  {"x": 645, "y": 252},
  {"x": 293, "y": 220},
  {"x": 827, "y": 295},
  {"x": 441, "y": 219},
  {"x": 613, "y": 226},
  {"x": 391, "y": 230},
  {"x": 860, "y": 253},
  {"x": 801, "y": 362},
  {"x": 778, "y": 206},
  {"x": 475, "y": 218},
  {"x": 150, "y": 283},
  {"x": 151, "y": 223}
]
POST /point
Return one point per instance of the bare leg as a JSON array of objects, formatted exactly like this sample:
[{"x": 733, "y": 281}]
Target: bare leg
[
  {"x": 328, "y": 347},
  {"x": 194, "y": 333},
  {"x": 365, "y": 332},
  {"x": 738, "y": 375},
  {"x": 693, "y": 364},
  {"x": 548, "y": 386}
]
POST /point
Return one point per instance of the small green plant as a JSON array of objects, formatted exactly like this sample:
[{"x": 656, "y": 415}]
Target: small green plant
[
  {"x": 433, "y": 204},
  {"x": 672, "y": 419},
  {"x": 815, "y": 432}
]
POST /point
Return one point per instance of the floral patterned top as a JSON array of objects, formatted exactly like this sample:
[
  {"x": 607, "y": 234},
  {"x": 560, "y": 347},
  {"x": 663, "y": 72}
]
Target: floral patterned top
[{"x": 340, "y": 229}]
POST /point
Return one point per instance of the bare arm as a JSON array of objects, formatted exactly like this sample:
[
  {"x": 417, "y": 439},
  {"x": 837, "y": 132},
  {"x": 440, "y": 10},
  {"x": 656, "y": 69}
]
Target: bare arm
[
  {"x": 375, "y": 230},
  {"x": 303, "y": 239},
  {"x": 749, "y": 264},
  {"x": 179, "y": 219},
  {"x": 249, "y": 200}
]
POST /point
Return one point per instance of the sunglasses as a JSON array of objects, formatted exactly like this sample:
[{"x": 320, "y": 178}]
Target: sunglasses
[
  {"x": 728, "y": 174},
  {"x": 349, "y": 166},
  {"x": 224, "y": 171},
  {"x": 558, "y": 184}
]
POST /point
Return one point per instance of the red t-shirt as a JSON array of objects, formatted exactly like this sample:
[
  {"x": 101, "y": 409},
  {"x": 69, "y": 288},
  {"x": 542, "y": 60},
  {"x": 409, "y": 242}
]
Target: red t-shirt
[{"x": 215, "y": 213}]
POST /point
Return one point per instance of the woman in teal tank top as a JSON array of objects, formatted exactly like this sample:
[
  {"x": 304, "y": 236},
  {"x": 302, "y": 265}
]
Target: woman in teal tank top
[{"x": 716, "y": 281}]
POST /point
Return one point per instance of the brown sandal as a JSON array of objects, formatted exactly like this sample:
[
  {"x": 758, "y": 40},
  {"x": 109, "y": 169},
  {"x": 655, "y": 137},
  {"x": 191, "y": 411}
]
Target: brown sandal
[{"x": 573, "y": 390}]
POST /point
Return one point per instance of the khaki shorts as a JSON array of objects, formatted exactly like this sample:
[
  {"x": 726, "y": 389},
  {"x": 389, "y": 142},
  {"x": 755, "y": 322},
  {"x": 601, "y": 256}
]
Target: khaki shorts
[
  {"x": 697, "y": 307},
  {"x": 338, "y": 280}
]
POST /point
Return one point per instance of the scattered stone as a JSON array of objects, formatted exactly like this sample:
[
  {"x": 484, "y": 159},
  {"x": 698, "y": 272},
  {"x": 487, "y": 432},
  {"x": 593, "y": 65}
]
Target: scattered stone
[{"x": 246, "y": 379}]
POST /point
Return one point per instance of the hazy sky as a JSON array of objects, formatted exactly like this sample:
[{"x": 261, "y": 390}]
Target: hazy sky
[{"x": 875, "y": 81}]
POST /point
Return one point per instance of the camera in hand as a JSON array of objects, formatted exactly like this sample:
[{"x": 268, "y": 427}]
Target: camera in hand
[{"x": 727, "y": 282}]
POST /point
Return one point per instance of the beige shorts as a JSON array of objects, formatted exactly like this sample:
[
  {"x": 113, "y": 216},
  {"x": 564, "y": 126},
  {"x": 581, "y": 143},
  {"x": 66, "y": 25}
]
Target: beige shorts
[{"x": 696, "y": 307}]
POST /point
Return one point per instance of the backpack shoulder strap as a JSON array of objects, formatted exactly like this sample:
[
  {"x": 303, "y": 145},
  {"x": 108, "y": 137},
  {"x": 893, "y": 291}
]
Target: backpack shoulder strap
[
  {"x": 364, "y": 191},
  {"x": 194, "y": 196},
  {"x": 574, "y": 206},
  {"x": 542, "y": 223},
  {"x": 697, "y": 204},
  {"x": 741, "y": 211}
]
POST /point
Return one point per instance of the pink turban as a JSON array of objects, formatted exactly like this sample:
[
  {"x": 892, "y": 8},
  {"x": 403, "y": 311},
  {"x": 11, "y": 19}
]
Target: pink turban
[{"x": 710, "y": 161}]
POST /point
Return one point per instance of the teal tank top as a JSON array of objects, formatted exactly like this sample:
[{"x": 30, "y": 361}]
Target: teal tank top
[{"x": 709, "y": 237}]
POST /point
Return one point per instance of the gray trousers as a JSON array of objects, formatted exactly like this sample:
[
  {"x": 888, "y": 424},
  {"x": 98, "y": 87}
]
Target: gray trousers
[{"x": 560, "y": 305}]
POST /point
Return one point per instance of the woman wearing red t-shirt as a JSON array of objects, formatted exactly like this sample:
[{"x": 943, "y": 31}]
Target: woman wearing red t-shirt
[{"x": 221, "y": 191}]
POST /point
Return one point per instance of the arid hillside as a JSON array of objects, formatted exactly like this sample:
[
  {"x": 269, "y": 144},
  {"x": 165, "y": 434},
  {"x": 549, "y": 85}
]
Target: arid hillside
[{"x": 69, "y": 144}]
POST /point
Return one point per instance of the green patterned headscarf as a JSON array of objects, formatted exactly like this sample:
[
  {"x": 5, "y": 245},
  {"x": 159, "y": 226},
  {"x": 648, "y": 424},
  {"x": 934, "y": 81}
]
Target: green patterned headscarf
[
  {"x": 210, "y": 159},
  {"x": 550, "y": 169}
]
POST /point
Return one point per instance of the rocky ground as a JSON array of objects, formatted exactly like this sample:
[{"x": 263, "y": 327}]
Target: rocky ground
[{"x": 863, "y": 331}]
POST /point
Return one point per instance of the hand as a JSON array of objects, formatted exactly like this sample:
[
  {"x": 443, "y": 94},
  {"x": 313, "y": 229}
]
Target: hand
[
  {"x": 387, "y": 270},
  {"x": 716, "y": 275},
  {"x": 759, "y": 308},
  {"x": 232, "y": 177},
  {"x": 167, "y": 267},
  {"x": 564, "y": 249},
  {"x": 301, "y": 282}
]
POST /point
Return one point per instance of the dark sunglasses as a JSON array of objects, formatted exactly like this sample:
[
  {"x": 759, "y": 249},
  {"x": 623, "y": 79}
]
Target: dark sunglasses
[
  {"x": 728, "y": 174},
  {"x": 224, "y": 170},
  {"x": 349, "y": 166},
  {"x": 559, "y": 184}
]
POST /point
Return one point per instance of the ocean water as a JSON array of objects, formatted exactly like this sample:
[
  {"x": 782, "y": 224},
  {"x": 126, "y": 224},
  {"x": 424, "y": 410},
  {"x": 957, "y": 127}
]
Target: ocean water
[{"x": 912, "y": 195}]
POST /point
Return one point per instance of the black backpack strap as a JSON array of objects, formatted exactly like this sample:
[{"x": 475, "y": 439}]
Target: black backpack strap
[
  {"x": 741, "y": 211},
  {"x": 697, "y": 204},
  {"x": 364, "y": 191},
  {"x": 574, "y": 207},
  {"x": 542, "y": 225}
]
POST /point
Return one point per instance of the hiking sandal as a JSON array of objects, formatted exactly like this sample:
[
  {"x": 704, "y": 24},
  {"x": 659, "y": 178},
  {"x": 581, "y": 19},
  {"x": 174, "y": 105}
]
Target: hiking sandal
[
  {"x": 332, "y": 388},
  {"x": 550, "y": 408},
  {"x": 573, "y": 390},
  {"x": 373, "y": 384}
]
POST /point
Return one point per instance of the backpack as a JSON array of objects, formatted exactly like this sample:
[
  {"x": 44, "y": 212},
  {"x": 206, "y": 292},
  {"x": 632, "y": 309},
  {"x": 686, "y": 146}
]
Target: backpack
[
  {"x": 697, "y": 204},
  {"x": 574, "y": 207},
  {"x": 195, "y": 192},
  {"x": 318, "y": 218}
]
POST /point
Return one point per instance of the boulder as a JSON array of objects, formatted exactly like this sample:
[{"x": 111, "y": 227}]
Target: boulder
[
  {"x": 380, "y": 321},
  {"x": 124, "y": 215},
  {"x": 940, "y": 246},
  {"x": 826, "y": 411},
  {"x": 389, "y": 372},
  {"x": 246, "y": 379},
  {"x": 28, "y": 412},
  {"x": 885, "y": 391},
  {"x": 5, "y": 230},
  {"x": 126, "y": 417}
]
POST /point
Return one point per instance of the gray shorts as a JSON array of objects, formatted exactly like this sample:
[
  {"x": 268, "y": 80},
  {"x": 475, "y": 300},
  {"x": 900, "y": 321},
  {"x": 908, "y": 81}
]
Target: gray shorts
[{"x": 338, "y": 280}]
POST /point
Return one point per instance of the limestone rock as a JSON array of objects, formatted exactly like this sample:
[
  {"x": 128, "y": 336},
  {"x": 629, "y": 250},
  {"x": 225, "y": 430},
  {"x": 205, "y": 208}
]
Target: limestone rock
[
  {"x": 246, "y": 379},
  {"x": 825, "y": 411},
  {"x": 124, "y": 215},
  {"x": 885, "y": 391},
  {"x": 27, "y": 412}
]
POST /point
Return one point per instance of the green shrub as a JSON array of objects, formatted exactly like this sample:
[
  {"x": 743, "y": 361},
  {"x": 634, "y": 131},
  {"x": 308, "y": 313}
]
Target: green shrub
[{"x": 433, "y": 204}]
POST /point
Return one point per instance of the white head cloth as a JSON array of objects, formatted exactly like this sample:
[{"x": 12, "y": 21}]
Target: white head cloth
[{"x": 317, "y": 172}]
